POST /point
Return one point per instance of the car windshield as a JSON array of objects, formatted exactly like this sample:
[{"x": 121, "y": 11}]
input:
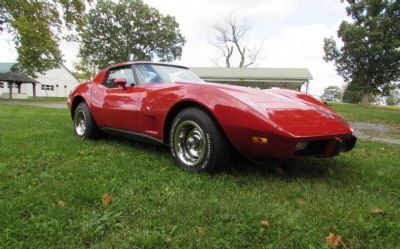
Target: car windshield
[{"x": 151, "y": 73}]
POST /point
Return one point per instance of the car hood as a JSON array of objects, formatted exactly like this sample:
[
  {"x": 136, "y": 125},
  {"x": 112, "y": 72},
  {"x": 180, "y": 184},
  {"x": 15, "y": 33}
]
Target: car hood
[
  {"x": 275, "y": 98},
  {"x": 294, "y": 112}
]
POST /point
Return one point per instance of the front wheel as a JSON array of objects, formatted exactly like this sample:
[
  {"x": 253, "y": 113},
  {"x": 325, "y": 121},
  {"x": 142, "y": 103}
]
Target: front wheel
[
  {"x": 197, "y": 143},
  {"x": 84, "y": 125}
]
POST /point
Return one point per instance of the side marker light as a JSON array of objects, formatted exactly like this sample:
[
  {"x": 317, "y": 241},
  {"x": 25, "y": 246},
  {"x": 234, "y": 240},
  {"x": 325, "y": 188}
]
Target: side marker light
[{"x": 259, "y": 140}]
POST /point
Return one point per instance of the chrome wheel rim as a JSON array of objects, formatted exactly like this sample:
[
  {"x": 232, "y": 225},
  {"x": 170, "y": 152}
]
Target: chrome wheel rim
[
  {"x": 189, "y": 143},
  {"x": 80, "y": 122}
]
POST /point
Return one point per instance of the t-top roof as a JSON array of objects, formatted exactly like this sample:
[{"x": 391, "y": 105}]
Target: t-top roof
[
  {"x": 301, "y": 74},
  {"x": 144, "y": 62}
]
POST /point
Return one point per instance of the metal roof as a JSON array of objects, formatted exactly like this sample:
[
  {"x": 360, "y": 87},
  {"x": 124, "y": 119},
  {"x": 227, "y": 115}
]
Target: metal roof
[
  {"x": 292, "y": 78},
  {"x": 282, "y": 74},
  {"x": 6, "y": 67},
  {"x": 16, "y": 77},
  {"x": 8, "y": 74}
]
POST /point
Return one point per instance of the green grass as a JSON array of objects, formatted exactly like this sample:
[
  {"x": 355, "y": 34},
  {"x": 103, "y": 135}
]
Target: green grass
[
  {"x": 378, "y": 114},
  {"x": 41, "y": 99},
  {"x": 156, "y": 205}
]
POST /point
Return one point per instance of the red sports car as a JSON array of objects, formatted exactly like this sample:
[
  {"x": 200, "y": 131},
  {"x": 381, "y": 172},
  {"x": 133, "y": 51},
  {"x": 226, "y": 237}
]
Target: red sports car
[{"x": 204, "y": 123}]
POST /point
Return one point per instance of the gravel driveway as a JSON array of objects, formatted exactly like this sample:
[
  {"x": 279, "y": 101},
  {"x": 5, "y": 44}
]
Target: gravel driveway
[{"x": 377, "y": 132}]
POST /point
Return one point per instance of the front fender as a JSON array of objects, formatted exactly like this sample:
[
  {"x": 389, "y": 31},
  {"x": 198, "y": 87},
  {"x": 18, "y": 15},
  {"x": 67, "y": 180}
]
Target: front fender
[
  {"x": 82, "y": 91},
  {"x": 243, "y": 121}
]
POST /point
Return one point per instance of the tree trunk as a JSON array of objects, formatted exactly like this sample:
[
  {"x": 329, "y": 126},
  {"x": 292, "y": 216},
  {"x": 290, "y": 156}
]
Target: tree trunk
[
  {"x": 227, "y": 62},
  {"x": 365, "y": 99},
  {"x": 129, "y": 54}
]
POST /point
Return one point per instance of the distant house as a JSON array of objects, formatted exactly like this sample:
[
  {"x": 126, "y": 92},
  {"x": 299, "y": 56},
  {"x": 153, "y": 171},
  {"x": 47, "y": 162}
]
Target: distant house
[
  {"x": 291, "y": 78},
  {"x": 57, "y": 82}
]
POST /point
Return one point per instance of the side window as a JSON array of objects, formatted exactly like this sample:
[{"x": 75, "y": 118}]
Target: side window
[
  {"x": 148, "y": 73},
  {"x": 125, "y": 73}
]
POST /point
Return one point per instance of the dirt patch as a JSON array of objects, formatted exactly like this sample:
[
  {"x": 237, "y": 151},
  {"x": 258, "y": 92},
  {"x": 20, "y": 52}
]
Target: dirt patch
[{"x": 377, "y": 132}]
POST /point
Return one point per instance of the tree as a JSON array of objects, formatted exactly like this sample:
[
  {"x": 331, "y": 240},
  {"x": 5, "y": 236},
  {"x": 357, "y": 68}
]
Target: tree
[
  {"x": 233, "y": 34},
  {"x": 393, "y": 98},
  {"x": 352, "y": 94},
  {"x": 85, "y": 70},
  {"x": 36, "y": 27},
  {"x": 332, "y": 93},
  {"x": 370, "y": 56},
  {"x": 117, "y": 30},
  {"x": 1, "y": 23}
]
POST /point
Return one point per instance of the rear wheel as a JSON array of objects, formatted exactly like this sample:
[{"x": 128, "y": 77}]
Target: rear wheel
[
  {"x": 197, "y": 143},
  {"x": 85, "y": 127}
]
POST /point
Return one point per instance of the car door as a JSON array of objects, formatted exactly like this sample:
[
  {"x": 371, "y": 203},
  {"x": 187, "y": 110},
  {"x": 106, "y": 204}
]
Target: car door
[
  {"x": 155, "y": 97},
  {"x": 116, "y": 106}
]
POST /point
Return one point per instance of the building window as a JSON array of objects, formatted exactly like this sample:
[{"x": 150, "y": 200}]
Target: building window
[
  {"x": 1, "y": 85},
  {"x": 47, "y": 87}
]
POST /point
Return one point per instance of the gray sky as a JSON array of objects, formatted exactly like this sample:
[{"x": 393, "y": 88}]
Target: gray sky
[{"x": 292, "y": 31}]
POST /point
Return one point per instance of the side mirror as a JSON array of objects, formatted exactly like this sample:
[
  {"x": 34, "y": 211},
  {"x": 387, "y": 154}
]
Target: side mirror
[{"x": 120, "y": 82}]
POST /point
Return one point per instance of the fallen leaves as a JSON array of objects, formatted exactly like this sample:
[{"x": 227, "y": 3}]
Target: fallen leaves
[
  {"x": 36, "y": 182},
  {"x": 106, "y": 199},
  {"x": 200, "y": 231},
  {"x": 264, "y": 223},
  {"x": 300, "y": 202},
  {"x": 333, "y": 240},
  {"x": 61, "y": 204},
  {"x": 376, "y": 211}
]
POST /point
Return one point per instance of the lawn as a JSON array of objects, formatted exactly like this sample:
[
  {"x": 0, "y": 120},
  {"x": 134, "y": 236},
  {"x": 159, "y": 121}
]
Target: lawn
[
  {"x": 40, "y": 99},
  {"x": 378, "y": 114},
  {"x": 51, "y": 188}
]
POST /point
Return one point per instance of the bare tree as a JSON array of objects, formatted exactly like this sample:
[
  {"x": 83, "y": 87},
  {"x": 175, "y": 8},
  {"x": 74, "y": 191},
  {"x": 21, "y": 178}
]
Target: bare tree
[
  {"x": 233, "y": 34},
  {"x": 223, "y": 44}
]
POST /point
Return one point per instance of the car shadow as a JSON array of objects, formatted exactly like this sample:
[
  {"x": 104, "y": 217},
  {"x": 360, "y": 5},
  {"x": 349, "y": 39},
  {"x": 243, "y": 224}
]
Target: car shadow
[
  {"x": 317, "y": 168},
  {"x": 307, "y": 168},
  {"x": 144, "y": 146}
]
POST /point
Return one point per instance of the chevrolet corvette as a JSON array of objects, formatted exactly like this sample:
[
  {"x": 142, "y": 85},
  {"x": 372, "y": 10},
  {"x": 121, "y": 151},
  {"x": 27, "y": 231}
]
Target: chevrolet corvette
[{"x": 205, "y": 123}]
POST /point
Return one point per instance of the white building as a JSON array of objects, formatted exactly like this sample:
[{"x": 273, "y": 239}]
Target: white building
[{"x": 57, "y": 82}]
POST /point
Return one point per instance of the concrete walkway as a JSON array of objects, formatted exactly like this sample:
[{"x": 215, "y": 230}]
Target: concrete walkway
[{"x": 31, "y": 103}]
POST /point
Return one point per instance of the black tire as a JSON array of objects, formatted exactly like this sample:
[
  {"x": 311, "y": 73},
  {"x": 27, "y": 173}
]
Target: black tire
[
  {"x": 84, "y": 125},
  {"x": 197, "y": 143}
]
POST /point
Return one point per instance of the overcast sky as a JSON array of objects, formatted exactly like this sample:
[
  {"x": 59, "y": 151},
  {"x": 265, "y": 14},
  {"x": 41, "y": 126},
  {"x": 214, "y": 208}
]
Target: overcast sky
[{"x": 292, "y": 31}]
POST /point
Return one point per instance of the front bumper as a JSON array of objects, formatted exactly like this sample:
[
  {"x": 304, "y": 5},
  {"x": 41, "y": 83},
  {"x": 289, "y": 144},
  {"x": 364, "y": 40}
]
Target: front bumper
[
  {"x": 328, "y": 148},
  {"x": 282, "y": 147}
]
